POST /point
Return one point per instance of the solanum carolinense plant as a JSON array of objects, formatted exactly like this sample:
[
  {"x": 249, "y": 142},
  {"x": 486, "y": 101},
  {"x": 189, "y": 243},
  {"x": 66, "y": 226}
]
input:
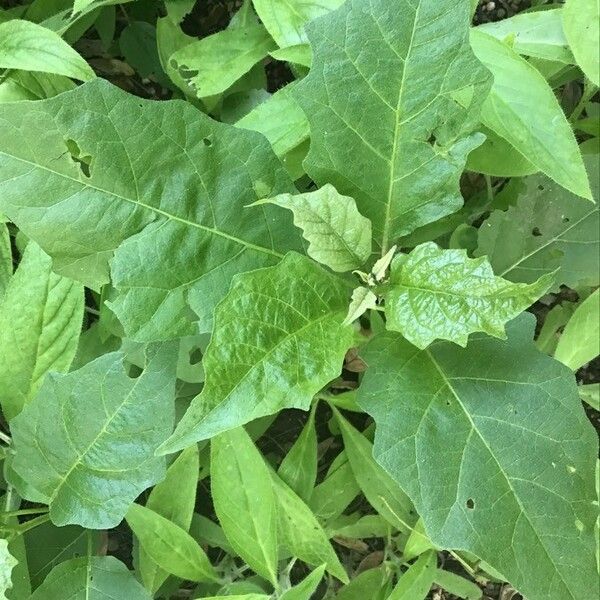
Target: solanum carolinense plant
[{"x": 299, "y": 300}]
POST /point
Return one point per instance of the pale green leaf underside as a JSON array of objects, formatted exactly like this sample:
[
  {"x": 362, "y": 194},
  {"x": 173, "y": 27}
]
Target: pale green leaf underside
[
  {"x": 452, "y": 424},
  {"x": 86, "y": 443},
  {"x": 90, "y": 578},
  {"x": 170, "y": 546},
  {"x": 523, "y": 109},
  {"x": 244, "y": 500},
  {"x": 580, "y": 341},
  {"x": 40, "y": 322},
  {"x": 539, "y": 34},
  {"x": 177, "y": 239},
  {"x": 7, "y": 563},
  {"x": 215, "y": 63},
  {"x": 278, "y": 339},
  {"x": 385, "y": 128},
  {"x": 31, "y": 47},
  {"x": 549, "y": 228},
  {"x": 581, "y": 20},
  {"x": 444, "y": 294},
  {"x": 285, "y": 19},
  {"x": 338, "y": 235}
]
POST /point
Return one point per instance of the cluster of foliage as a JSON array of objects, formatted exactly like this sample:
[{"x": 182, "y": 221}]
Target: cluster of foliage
[{"x": 184, "y": 255}]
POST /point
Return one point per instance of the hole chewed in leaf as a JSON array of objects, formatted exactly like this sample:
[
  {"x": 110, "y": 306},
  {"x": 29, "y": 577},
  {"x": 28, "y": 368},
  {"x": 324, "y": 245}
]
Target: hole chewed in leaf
[
  {"x": 84, "y": 161},
  {"x": 470, "y": 504}
]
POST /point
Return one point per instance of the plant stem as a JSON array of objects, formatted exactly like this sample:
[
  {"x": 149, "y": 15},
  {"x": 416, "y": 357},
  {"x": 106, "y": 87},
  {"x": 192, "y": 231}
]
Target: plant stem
[
  {"x": 589, "y": 89},
  {"x": 26, "y": 511}
]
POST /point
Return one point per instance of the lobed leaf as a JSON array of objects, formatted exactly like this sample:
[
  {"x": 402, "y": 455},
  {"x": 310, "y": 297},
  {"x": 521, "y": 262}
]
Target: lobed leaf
[
  {"x": 386, "y": 128},
  {"x": 451, "y": 428}
]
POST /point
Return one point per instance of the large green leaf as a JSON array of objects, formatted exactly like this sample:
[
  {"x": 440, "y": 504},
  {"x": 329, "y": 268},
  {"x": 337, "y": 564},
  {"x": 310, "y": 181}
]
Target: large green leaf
[
  {"x": 278, "y": 339},
  {"x": 177, "y": 508},
  {"x": 215, "y": 63},
  {"x": 580, "y": 340},
  {"x": 25, "y": 45},
  {"x": 549, "y": 228},
  {"x": 452, "y": 425},
  {"x": 522, "y": 109},
  {"x": 40, "y": 323},
  {"x": 285, "y": 20},
  {"x": 538, "y": 34},
  {"x": 338, "y": 235},
  {"x": 90, "y": 578},
  {"x": 86, "y": 442},
  {"x": 178, "y": 239},
  {"x": 444, "y": 294},
  {"x": 244, "y": 500},
  {"x": 385, "y": 126},
  {"x": 168, "y": 545},
  {"x": 581, "y": 20}
]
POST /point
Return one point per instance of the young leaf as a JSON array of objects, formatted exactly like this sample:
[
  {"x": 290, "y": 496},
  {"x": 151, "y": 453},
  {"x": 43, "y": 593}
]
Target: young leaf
[
  {"x": 7, "y": 563},
  {"x": 457, "y": 585},
  {"x": 549, "y": 228},
  {"x": 6, "y": 264},
  {"x": 174, "y": 499},
  {"x": 452, "y": 433},
  {"x": 338, "y": 235},
  {"x": 90, "y": 578},
  {"x": 244, "y": 500},
  {"x": 299, "y": 467},
  {"x": 362, "y": 300},
  {"x": 168, "y": 545},
  {"x": 300, "y": 533},
  {"x": 178, "y": 243},
  {"x": 522, "y": 109},
  {"x": 278, "y": 339},
  {"x": 365, "y": 585},
  {"x": 306, "y": 588},
  {"x": 285, "y": 21},
  {"x": 215, "y": 63},
  {"x": 580, "y": 340},
  {"x": 581, "y": 20},
  {"x": 40, "y": 322},
  {"x": 382, "y": 492},
  {"x": 31, "y": 47},
  {"x": 417, "y": 581},
  {"x": 444, "y": 294},
  {"x": 385, "y": 128},
  {"x": 86, "y": 442},
  {"x": 539, "y": 34}
]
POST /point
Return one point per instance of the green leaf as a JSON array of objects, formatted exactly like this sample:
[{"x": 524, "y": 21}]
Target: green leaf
[
  {"x": 365, "y": 585},
  {"x": 177, "y": 507},
  {"x": 40, "y": 321},
  {"x": 338, "y": 235},
  {"x": 362, "y": 300},
  {"x": 591, "y": 394},
  {"x": 299, "y": 467},
  {"x": 26, "y": 85},
  {"x": 86, "y": 442},
  {"x": 90, "y": 578},
  {"x": 549, "y": 228},
  {"x": 178, "y": 244},
  {"x": 300, "y": 54},
  {"x": 539, "y": 34},
  {"x": 278, "y": 339},
  {"x": 415, "y": 583},
  {"x": 300, "y": 533},
  {"x": 168, "y": 545},
  {"x": 581, "y": 20},
  {"x": 285, "y": 21},
  {"x": 385, "y": 128},
  {"x": 523, "y": 110},
  {"x": 457, "y": 585},
  {"x": 579, "y": 342},
  {"x": 6, "y": 263},
  {"x": 382, "y": 492},
  {"x": 244, "y": 501},
  {"x": 25, "y": 45},
  {"x": 452, "y": 431},
  {"x": 280, "y": 119},
  {"x": 215, "y": 63},
  {"x": 444, "y": 294},
  {"x": 306, "y": 588},
  {"x": 7, "y": 563}
]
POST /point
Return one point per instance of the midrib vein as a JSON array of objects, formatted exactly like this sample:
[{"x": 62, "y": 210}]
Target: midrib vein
[{"x": 154, "y": 209}]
